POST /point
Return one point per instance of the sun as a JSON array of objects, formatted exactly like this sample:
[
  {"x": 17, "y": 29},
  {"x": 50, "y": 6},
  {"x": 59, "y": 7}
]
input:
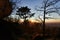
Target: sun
[
  {"x": 32, "y": 20},
  {"x": 21, "y": 20}
]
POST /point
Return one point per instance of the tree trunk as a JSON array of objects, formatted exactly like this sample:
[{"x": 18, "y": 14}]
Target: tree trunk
[
  {"x": 44, "y": 21},
  {"x": 44, "y": 26}
]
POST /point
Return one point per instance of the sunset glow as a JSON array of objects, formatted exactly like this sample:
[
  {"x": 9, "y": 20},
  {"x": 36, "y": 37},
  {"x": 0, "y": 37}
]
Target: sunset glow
[
  {"x": 32, "y": 20},
  {"x": 52, "y": 21},
  {"x": 47, "y": 21},
  {"x": 21, "y": 20}
]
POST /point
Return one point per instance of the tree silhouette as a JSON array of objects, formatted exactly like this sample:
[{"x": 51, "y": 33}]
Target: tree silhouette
[
  {"x": 24, "y": 13},
  {"x": 47, "y": 9}
]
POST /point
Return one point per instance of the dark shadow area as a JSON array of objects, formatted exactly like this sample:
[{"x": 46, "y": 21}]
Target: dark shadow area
[{"x": 27, "y": 31}]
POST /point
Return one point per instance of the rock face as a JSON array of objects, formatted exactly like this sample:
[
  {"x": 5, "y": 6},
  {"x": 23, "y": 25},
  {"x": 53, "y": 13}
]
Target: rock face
[{"x": 5, "y": 8}]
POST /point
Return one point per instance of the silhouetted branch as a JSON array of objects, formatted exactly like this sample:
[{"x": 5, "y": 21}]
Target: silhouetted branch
[
  {"x": 54, "y": 8},
  {"x": 40, "y": 19},
  {"x": 32, "y": 14},
  {"x": 52, "y": 3},
  {"x": 53, "y": 11}
]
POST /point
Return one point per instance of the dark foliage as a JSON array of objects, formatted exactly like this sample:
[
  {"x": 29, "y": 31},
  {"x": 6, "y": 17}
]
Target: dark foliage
[{"x": 24, "y": 12}]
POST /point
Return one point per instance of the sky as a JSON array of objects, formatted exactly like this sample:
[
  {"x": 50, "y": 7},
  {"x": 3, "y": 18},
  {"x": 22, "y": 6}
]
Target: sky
[{"x": 34, "y": 4}]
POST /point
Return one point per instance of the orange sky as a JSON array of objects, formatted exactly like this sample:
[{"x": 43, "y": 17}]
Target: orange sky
[
  {"x": 52, "y": 21},
  {"x": 47, "y": 20}
]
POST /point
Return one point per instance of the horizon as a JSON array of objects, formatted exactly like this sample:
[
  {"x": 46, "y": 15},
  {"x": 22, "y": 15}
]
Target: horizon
[{"x": 39, "y": 21}]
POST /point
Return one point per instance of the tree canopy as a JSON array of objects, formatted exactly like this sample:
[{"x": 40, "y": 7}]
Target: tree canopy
[{"x": 24, "y": 13}]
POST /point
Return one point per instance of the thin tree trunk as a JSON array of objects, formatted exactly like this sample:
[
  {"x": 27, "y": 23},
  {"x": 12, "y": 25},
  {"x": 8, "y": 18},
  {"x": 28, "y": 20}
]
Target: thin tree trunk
[
  {"x": 44, "y": 21},
  {"x": 44, "y": 26}
]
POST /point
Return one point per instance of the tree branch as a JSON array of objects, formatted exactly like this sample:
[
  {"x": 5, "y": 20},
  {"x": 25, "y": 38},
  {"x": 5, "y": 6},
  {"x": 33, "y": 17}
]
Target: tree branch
[
  {"x": 52, "y": 3},
  {"x": 51, "y": 11},
  {"x": 54, "y": 8}
]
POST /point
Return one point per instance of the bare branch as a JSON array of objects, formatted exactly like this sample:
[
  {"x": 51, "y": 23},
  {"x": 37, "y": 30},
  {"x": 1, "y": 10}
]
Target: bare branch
[
  {"x": 54, "y": 8},
  {"x": 53, "y": 11},
  {"x": 57, "y": 10},
  {"x": 47, "y": 7},
  {"x": 39, "y": 9},
  {"x": 32, "y": 14},
  {"x": 52, "y": 3},
  {"x": 40, "y": 18}
]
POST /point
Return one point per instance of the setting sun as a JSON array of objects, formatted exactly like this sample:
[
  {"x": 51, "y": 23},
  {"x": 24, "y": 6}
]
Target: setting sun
[{"x": 21, "y": 20}]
